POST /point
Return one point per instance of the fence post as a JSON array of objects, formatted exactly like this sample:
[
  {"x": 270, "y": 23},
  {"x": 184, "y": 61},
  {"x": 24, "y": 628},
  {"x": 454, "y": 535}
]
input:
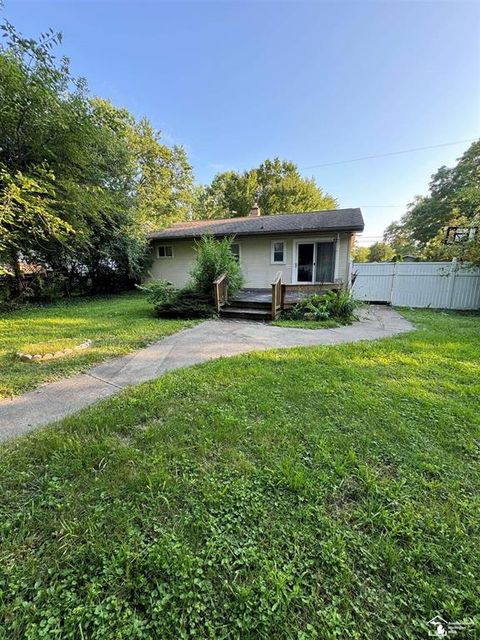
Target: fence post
[
  {"x": 451, "y": 283},
  {"x": 394, "y": 273}
]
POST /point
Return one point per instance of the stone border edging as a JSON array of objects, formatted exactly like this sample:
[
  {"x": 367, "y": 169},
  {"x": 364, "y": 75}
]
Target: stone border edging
[{"x": 27, "y": 357}]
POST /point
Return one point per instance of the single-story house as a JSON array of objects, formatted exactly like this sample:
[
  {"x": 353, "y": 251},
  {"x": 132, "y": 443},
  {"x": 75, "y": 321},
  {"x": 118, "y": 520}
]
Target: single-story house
[
  {"x": 282, "y": 257},
  {"x": 306, "y": 252}
]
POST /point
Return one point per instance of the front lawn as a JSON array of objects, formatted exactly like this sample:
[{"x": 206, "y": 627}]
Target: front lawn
[
  {"x": 326, "y": 492},
  {"x": 116, "y": 324}
]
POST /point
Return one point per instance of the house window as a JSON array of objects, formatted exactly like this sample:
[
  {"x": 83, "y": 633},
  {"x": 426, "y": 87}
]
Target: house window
[
  {"x": 165, "y": 251},
  {"x": 235, "y": 249},
  {"x": 278, "y": 252}
]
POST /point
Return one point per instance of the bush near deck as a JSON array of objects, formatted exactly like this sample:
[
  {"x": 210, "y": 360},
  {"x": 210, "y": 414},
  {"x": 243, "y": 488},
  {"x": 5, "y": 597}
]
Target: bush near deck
[
  {"x": 326, "y": 492},
  {"x": 321, "y": 311}
]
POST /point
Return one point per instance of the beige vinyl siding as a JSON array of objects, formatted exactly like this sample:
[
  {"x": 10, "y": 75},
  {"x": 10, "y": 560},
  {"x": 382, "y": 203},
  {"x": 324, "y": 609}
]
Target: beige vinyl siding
[
  {"x": 255, "y": 259},
  {"x": 341, "y": 270},
  {"x": 175, "y": 269}
]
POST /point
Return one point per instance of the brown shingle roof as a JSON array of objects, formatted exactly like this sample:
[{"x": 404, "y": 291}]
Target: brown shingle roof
[{"x": 334, "y": 220}]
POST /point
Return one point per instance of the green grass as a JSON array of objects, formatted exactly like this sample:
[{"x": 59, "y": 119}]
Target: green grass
[
  {"x": 327, "y": 492},
  {"x": 117, "y": 324},
  {"x": 306, "y": 324}
]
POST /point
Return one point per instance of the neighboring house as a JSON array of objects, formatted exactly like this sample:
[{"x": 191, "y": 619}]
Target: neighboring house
[
  {"x": 27, "y": 269},
  {"x": 310, "y": 249}
]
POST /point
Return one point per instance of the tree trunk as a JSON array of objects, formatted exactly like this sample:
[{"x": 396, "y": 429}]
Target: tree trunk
[{"x": 17, "y": 275}]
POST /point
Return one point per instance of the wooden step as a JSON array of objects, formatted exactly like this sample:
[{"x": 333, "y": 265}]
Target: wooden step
[
  {"x": 245, "y": 313},
  {"x": 250, "y": 304}
]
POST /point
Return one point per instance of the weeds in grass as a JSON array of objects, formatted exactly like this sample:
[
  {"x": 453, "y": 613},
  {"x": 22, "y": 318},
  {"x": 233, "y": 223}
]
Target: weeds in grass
[{"x": 327, "y": 492}]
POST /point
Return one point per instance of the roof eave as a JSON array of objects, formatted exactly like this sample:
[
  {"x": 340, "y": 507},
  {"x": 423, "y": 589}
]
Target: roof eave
[{"x": 170, "y": 236}]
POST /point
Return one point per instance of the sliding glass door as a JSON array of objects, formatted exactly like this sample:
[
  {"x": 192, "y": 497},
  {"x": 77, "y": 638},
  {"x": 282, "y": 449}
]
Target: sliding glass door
[
  {"x": 315, "y": 262},
  {"x": 325, "y": 262},
  {"x": 305, "y": 261}
]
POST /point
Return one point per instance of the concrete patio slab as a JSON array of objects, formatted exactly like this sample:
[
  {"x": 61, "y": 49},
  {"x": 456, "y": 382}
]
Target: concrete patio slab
[{"x": 207, "y": 341}]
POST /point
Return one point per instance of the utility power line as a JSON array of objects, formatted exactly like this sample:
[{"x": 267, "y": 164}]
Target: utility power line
[
  {"x": 390, "y": 153},
  {"x": 380, "y": 206}
]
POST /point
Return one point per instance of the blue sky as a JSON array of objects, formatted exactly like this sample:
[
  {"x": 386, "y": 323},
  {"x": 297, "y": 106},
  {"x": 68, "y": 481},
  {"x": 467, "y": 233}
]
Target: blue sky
[{"x": 312, "y": 82}]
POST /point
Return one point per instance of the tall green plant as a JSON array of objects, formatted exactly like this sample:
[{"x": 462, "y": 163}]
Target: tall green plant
[{"x": 215, "y": 257}]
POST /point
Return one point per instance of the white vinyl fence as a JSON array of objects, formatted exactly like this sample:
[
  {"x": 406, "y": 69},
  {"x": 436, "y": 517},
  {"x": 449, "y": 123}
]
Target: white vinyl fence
[{"x": 439, "y": 285}]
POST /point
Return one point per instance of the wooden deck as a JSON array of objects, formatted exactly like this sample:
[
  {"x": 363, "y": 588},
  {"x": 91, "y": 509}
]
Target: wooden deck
[
  {"x": 292, "y": 296},
  {"x": 256, "y": 304}
]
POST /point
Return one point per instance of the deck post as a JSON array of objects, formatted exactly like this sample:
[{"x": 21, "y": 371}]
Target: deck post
[
  {"x": 220, "y": 291},
  {"x": 277, "y": 300}
]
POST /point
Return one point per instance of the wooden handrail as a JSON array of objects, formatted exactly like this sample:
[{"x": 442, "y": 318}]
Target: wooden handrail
[
  {"x": 220, "y": 278},
  {"x": 277, "y": 295},
  {"x": 220, "y": 291}
]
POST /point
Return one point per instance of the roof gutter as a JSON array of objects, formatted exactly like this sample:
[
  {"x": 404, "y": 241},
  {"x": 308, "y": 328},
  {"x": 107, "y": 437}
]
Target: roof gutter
[{"x": 169, "y": 236}]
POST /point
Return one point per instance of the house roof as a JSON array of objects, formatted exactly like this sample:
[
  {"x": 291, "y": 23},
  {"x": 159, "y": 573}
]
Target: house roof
[
  {"x": 26, "y": 268},
  {"x": 333, "y": 220}
]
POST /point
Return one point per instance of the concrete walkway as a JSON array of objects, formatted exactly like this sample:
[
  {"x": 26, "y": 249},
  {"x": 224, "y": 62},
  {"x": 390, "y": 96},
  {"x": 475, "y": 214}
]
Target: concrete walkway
[{"x": 206, "y": 341}]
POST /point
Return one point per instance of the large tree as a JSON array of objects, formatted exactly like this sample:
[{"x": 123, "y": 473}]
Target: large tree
[
  {"x": 34, "y": 119},
  {"x": 360, "y": 254},
  {"x": 163, "y": 182},
  {"x": 276, "y": 185},
  {"x": 399, "y": 238},
  {"x": 380, "y": 252},
  {"x": 80, "y": 180},
  {"x": 454, "y": 198}
]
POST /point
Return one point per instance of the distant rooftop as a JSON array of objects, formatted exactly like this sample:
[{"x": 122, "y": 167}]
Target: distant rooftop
[{"x": 333, "y": 220}]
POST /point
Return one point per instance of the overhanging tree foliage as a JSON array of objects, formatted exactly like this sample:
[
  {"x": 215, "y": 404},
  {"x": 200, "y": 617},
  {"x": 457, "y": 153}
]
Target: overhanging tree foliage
[
  {"x": 276, "y": 185},
  {"x": 80, "y": 180},
  {"x": 454, "y": 200}
]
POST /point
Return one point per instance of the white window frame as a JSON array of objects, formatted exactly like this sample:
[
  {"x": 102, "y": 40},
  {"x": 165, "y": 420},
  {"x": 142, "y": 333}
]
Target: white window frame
[
  {"x": 272, "y": 252},
  {"x": 239, "y": 250},
  {"x": 164, "y": 257}
]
